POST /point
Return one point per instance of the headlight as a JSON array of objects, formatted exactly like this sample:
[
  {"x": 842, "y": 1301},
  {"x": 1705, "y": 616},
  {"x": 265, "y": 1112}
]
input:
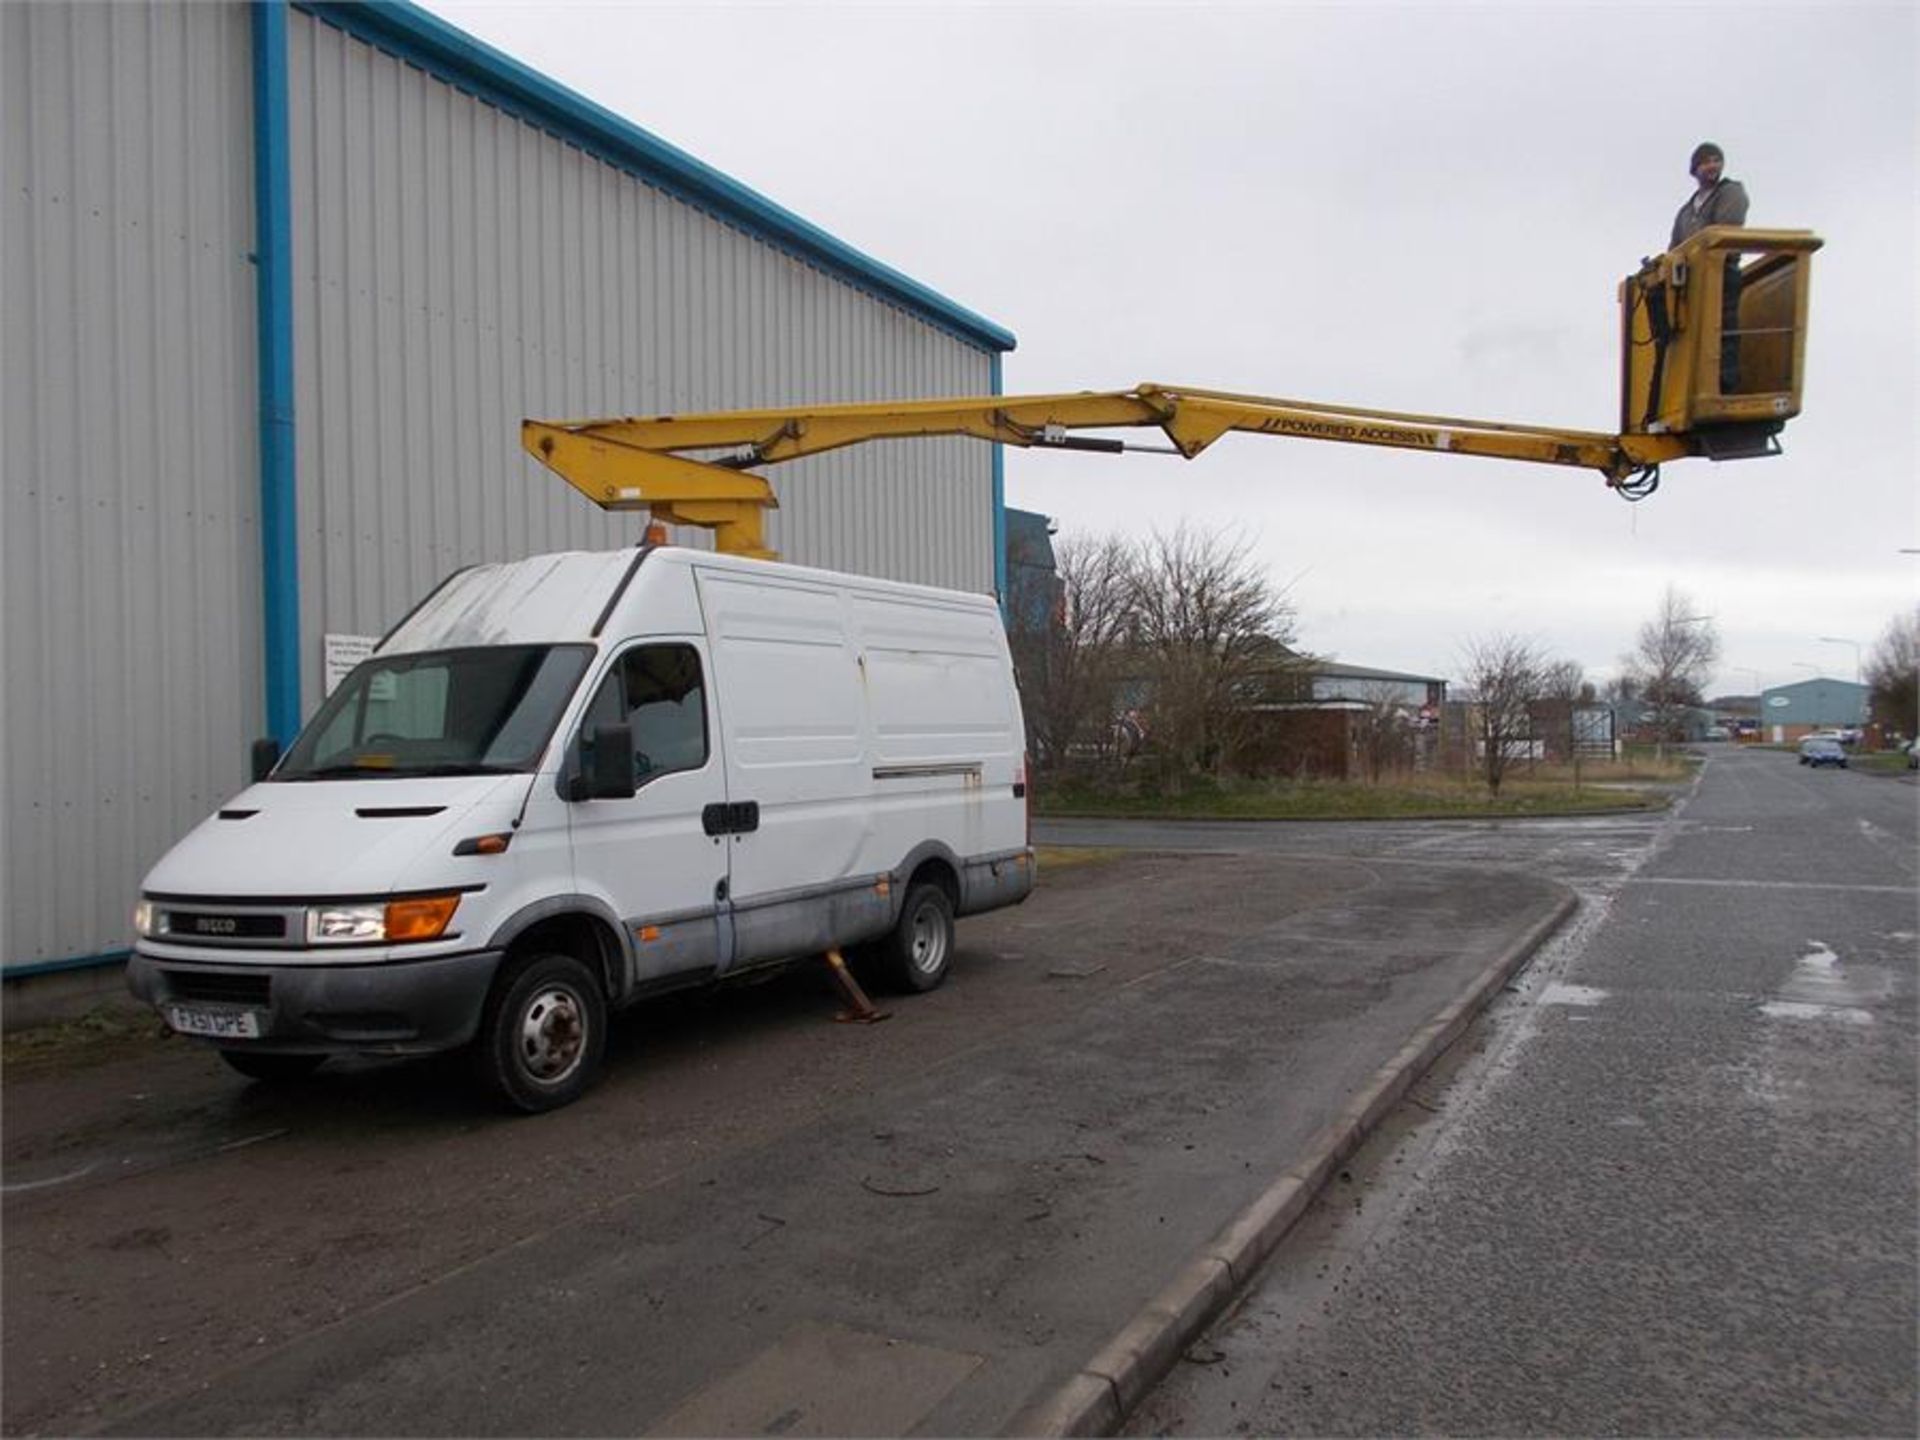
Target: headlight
[
  {"x": 146, "y": 920},
  {"x": 346, "y": 924},
  {"x": 422, "y": 918}
]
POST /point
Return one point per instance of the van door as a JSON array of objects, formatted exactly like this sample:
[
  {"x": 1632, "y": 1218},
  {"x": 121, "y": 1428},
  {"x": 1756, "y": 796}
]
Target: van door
[
  {"x": 652, "y": 855},
  {"x": 799, "y": 776}
]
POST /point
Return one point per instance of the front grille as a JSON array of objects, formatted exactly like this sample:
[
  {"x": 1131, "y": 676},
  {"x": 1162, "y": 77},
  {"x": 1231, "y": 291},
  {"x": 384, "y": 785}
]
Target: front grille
[
  {"x": 224, "y": 925},
  {"x": 219, "y": 987}
]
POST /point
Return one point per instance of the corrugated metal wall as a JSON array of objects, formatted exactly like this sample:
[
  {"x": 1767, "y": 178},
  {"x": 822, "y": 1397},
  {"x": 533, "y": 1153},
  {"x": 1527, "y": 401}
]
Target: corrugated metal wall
[
  {"x": 132, "y": 663},
  {"x": 458, "y": 269}
]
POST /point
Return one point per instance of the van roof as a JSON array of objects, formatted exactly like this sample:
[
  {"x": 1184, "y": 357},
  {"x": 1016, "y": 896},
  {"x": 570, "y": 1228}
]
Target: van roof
[{"x": 562, "y": 597}]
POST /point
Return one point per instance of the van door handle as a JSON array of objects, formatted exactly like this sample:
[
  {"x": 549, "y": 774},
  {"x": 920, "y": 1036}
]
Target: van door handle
[{"x": 739, "y": 818}]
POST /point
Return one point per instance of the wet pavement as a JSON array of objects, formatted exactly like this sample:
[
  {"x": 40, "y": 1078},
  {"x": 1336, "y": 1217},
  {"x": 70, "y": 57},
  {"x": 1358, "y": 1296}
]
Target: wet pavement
[
  {"x": 1669, "y": 1186},
  {"x": 760, "y": 1220}
]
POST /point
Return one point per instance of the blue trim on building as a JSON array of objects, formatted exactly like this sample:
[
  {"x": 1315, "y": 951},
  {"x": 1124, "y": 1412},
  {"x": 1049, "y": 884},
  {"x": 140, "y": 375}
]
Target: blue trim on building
[
  {"x": 273, "y": 265},
  {"x": 76, "y": 962},
  {"x": 999, "y": 505},
  {"x": 419, "y": 38}
]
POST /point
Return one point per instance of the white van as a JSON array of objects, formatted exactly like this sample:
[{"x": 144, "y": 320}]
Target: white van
[{"x": 567, "y": 782}]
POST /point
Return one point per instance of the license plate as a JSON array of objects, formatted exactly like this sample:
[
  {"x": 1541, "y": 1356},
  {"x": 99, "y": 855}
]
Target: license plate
[{"x": 220, "y": 1024}]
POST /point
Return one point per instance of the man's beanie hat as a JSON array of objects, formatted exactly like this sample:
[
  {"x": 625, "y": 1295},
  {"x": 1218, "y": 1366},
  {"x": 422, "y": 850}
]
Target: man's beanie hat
[{"x": 1705, "y": 150}]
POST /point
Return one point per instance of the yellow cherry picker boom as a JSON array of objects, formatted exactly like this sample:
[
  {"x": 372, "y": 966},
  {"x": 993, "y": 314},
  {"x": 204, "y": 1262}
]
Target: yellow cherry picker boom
[{"x": 1713, "y": 345}]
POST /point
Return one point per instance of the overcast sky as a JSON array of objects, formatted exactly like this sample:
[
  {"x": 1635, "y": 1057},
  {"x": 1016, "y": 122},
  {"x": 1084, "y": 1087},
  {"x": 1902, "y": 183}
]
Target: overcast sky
[{"x": 1413, "y": 207}]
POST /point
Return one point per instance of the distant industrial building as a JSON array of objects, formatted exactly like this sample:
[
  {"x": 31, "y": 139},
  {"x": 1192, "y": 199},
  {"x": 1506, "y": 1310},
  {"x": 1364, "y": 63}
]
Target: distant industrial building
[
  {"x": 1035, "y": 593},
  {"x": 282, "y": 280},
  {"x": 1791, "y": 712},
  {"x": 1336, "y": 684},
  {"x": 1333, "y": 720}
]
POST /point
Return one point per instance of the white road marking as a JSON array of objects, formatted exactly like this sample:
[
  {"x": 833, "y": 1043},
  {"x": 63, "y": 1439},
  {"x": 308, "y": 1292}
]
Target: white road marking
[
  {"x": 1560, "y": 993},
  {"x": 66, "y": 1179},
  {"x": 251, "y": 1140},
  {"x": 1775, "y": 885}
]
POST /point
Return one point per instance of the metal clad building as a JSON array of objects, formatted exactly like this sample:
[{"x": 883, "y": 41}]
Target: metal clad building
[
  {"x": 129, "y": 511},
  {"x": 1790, "y": 712},
  {"x": 279, "y": 285}
]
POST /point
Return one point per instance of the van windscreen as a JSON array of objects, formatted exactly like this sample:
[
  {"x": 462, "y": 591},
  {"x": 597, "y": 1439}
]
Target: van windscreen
[{"x": 470, "y": 711}]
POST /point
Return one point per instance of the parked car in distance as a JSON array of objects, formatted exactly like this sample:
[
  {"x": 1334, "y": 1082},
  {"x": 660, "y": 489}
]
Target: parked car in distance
[
  {"x": 1818, "y": 750},
  {"x": 1913, "y": 755}
]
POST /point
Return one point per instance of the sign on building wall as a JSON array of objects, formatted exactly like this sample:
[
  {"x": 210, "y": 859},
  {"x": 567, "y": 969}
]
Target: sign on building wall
[{"x": 342, "y": 653}]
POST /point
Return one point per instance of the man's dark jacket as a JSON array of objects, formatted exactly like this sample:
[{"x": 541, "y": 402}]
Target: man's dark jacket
[{"x": 1726, "y": 205}]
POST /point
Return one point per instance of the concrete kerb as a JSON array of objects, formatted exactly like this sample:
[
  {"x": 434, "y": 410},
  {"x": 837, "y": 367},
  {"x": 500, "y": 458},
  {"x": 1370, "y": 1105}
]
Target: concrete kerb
[{"x": 1097, "y": 1400}]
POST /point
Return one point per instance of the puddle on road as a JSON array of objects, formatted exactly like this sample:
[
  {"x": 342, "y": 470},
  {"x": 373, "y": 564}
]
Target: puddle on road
[
  {"x": 1796, "y": 1010},
  {"x": 1818, "y": 989},
  {"x": 1559, "y": 993}
]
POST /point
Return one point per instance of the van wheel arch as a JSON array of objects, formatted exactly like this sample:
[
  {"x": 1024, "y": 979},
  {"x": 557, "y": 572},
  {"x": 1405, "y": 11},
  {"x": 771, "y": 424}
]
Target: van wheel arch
[
  {"x": 916, "y": 953},
  {"x": 585, "y": 935},
  {"x": 937, "y": 870}
]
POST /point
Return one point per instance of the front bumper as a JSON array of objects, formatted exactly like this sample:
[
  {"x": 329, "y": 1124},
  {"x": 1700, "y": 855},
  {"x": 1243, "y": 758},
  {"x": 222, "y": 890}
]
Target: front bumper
[{"x": 395, "y": 1007}]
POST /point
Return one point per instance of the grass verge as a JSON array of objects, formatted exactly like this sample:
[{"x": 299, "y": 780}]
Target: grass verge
[
  {"x": 1879, "y": 762},
  {"x": 1424, "y": 799}
]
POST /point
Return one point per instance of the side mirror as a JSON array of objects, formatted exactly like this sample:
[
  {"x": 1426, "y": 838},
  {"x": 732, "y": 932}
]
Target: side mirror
[
  {"x": 607, "y": 764},
  {"x": 266, "y": 754}
]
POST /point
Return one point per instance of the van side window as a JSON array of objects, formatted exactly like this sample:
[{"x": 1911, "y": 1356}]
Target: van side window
[{"x": 659, "y": 692}]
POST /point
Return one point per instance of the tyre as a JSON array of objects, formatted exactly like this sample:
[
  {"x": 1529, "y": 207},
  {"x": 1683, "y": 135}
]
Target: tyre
[
  {"x": 260, "y": 1065},
  {"x": 915, "y": 954},
  {"x": 542, "y": 1034}
]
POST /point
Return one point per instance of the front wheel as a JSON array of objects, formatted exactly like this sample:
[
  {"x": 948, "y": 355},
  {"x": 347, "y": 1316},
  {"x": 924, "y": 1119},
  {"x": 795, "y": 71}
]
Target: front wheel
[
  {"x": 915, "y": 954},
  {"x": 543, "y": 1033},
  {"x": 261, "y": 1065}
]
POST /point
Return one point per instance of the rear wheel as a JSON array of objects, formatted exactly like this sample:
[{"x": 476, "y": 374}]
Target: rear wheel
[
  {"x": 543, "y": 1033},
  {"x": 260, "y": 1065},
  {"x": 916, "y": 953}
]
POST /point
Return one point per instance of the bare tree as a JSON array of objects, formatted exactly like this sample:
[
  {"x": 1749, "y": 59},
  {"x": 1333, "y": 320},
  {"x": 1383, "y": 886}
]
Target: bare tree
[
  {"x": 1502, "y": 674},
  {"x": 1893, "y": 675},
  {"x": 1675, "y": 654},
  {"x": 1383, "y": 730},
  {"x": 1564, "y": 682},
  {"x": 1070, "y": 669},
  {"x": 1209, "y": 627}
]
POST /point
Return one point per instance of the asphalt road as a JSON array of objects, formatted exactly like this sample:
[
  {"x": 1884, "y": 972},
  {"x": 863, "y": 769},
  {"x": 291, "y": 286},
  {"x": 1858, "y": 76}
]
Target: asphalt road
[
  {"x": 760, "y": 1222},
  {"x": 1669, "y": 1187}
]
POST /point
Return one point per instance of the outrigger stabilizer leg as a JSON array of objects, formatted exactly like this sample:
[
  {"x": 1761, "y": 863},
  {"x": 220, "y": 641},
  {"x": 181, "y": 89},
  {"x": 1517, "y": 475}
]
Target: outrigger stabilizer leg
[{"x": 860, "y": 1010}]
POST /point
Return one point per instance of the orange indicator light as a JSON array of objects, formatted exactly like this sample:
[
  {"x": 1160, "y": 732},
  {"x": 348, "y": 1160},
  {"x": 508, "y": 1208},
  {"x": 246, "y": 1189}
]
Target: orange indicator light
[{"x": 422, "y": 919}]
